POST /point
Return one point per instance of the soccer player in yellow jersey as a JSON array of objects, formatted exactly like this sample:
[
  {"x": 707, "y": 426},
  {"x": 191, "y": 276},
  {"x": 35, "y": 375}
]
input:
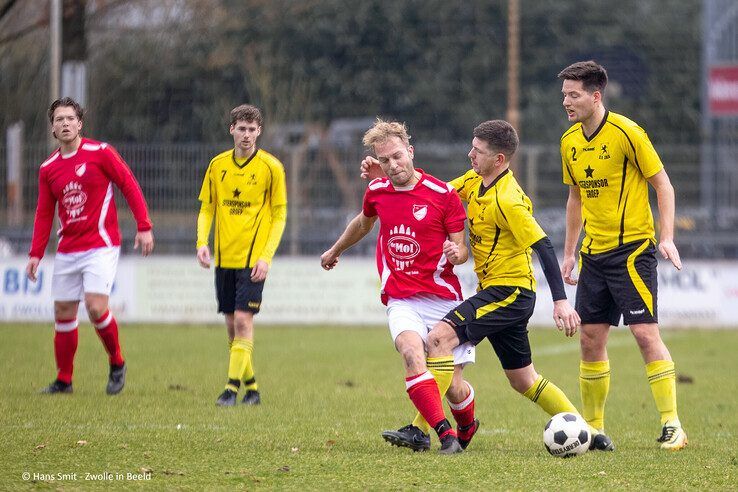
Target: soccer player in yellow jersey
[
  {"x": 502, "y": 234},
  {"x": 608, "y": 163},
  {"x": 244, "y": 191}
]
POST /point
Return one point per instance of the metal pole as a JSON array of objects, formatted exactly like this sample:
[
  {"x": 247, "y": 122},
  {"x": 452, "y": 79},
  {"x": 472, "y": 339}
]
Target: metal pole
[
  {"x": 708, "y": 149},
  {"x": 55, "y": 49},
  {"x": 513, "y": 63}
]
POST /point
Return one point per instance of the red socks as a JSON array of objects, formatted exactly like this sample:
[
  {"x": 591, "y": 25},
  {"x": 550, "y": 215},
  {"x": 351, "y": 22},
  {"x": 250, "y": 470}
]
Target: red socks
[
  {"x": 424, "y": 394},
  {"x": 463, "y": 412},
  {"x": 65, "y": 346},
  {"x": 107, "y": 330}
]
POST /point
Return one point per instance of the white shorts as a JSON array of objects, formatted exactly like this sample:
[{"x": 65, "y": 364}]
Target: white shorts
[
  {"x": 90, "y": 272},
  {"x": 420, "y": 313}
]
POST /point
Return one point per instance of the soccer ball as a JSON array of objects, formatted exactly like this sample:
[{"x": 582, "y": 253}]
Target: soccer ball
[{"x": 566, "y": 434}]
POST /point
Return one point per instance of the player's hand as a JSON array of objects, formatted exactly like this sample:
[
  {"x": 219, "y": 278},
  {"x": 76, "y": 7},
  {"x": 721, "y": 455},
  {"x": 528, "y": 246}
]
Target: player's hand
[
  {"x": 259, "y": 272},
  {"x": 370, "y": 168},
  {"x": 32, "y": 268},
  {"x": 329, "y": 259},
  {"x": 567, "y": 270},
  {"x": 203, "y": 256},
  {"x": 670, "y": 252},
  {"x": 566, "y": 318},
  {"x": 451, "y": 250},
  {"x": 145, "y": 239}
]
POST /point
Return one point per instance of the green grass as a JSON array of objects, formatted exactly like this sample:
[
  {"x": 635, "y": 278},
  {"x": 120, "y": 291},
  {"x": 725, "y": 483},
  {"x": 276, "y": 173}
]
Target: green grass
[{"x": 327, "y": 394}]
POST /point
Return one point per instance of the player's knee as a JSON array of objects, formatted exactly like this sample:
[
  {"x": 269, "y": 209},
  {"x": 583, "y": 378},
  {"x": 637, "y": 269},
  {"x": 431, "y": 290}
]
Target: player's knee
[
  {"x": 522, "y": 379},
  {"x": 591, "y": 344},
  {"x": 65, "y": 310},
  {"x": 243, "y": 324},
  {"x": 646, "y": 336},
  {"x": 95, "y": 311},
  {"x": 434, "y": 341},
  {"x": 442, "y": 339}
]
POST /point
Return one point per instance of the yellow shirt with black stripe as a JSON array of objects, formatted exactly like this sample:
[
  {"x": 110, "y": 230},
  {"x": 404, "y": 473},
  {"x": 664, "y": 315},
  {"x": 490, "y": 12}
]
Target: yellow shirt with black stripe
[
  {"x": 611, "y": 168},
  {"x": 247, "y": 198},
  {"x": 501, "y": 230}
]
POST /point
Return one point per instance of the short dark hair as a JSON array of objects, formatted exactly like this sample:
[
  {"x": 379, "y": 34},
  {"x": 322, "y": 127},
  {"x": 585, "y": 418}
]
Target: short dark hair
[
  {"x": 66, "y": 102},
  {"x": 246, "y": 112},
  {"x": 499, "y": 135},
  {"x": 592, "y": 75}
]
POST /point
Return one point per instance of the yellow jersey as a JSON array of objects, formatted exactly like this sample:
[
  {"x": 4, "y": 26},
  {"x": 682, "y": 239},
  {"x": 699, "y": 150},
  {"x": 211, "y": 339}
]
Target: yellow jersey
[
  {"x": 248, "y": 202},
  {"x": 501, "y": 229},
  {"x": 611, "y": 168}
]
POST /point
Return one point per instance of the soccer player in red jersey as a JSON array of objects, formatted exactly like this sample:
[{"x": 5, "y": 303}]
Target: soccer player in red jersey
[
  {"x": 421, "y": 238},
  {"x": 79, "y": 177},
  {"x": 503, "y": 234}
]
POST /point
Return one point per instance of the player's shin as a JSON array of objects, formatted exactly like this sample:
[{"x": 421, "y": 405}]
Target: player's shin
[
  {"x": 107, "y": 329},
  {"x": 65, "y": 347},
  {"x": 423, "y": 392},
  {"x": 442, "y": 369},
  {"x": 240, "y": 353},
  {"x": 463, "y": 411},
  {"x": 248, "y": 377},
  {"x": 549, "y": 397},
  {"x": 662, "y": 379},
  {"x": 594, "y": 385}
]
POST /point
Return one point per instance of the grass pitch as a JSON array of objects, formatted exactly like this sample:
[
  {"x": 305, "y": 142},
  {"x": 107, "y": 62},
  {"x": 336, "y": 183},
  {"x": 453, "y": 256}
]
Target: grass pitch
[{"x": 327, "y": 393}]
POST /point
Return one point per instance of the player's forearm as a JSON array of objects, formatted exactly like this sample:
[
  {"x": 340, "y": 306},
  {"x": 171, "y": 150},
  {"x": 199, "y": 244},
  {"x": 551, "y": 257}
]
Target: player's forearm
[
  {"x": 41, "y": 232},
  {"x": 137, "y": 203},
  {"x": 123, "y": 177},
  {"x": 573, "y": 224},
  {"x": 355, "y": 231},
  {"x": 463, "y": 254},
  {"x": 204, "y": 222},
  {"x": 667, "y": 208},
  {"x": 42, "y": 223},
  {"x": 279, "y": 220},
  {"x": 550, "y": 265}
]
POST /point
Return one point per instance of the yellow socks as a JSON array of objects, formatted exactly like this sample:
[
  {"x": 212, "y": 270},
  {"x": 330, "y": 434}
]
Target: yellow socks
[
  {"x": 662, "y": 378},
  {"x": 594, "y": 385},
  {"x": 241, "y": 349},
  {"x": 549, "y": 397},
  {"x": 442, "y": 369},
  {"x": 249, "y": 381}
]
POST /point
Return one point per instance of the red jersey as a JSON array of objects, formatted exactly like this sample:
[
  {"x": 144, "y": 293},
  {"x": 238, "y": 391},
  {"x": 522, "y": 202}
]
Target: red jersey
[
  {"x": 414, "y": 223},
  {"x": 82, "y": 184}
]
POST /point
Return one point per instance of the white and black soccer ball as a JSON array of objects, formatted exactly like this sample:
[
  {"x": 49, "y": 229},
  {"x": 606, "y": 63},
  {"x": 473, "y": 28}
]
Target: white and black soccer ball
[{"x": 566, "y": 434}]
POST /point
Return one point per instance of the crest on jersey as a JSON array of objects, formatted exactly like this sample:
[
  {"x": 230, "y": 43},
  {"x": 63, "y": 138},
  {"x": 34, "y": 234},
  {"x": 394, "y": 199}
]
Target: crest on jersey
[
  {"x": 402, "y": 246},
  {"x": 74, "y": 199},
  {"x": 80, "y": 169},
  {"x": 420, "y": 211}
]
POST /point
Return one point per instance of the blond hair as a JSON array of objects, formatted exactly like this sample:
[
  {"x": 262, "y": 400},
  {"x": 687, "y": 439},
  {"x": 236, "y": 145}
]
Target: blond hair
[{"x": 384, "y": 130}]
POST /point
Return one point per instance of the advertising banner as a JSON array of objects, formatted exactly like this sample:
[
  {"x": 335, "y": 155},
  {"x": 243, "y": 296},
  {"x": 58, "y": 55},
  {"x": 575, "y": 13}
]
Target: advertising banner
[{"x": 174, "y": 289}]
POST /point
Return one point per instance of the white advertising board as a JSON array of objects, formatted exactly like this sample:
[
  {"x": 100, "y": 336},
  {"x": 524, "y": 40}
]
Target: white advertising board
[{"x": 173, "y": 289}]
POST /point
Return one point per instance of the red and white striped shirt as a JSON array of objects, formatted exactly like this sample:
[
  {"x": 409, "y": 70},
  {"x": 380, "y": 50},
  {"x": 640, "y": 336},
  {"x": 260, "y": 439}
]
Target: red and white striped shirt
[
  {"x": 414, "y": 223},
  {"x": 82, "y": 184}
]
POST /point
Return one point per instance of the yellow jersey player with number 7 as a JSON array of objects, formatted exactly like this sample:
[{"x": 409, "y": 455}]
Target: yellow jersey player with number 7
[{"x": 244, "y": 194}]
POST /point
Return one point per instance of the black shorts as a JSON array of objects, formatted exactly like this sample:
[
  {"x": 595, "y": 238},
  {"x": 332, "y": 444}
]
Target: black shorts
[
  {"x": 620, "y": 281},
  {"x": 236, "y": 291},
  {"x": 501, "y": 315}
]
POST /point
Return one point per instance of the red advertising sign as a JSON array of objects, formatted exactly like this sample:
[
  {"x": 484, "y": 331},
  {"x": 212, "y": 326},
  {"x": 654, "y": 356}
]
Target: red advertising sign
[{"x": 722, "y": 90}]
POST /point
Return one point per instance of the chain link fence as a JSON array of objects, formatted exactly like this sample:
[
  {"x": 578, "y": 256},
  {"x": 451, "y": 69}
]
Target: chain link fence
[{"x": 325, "y": 192}]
